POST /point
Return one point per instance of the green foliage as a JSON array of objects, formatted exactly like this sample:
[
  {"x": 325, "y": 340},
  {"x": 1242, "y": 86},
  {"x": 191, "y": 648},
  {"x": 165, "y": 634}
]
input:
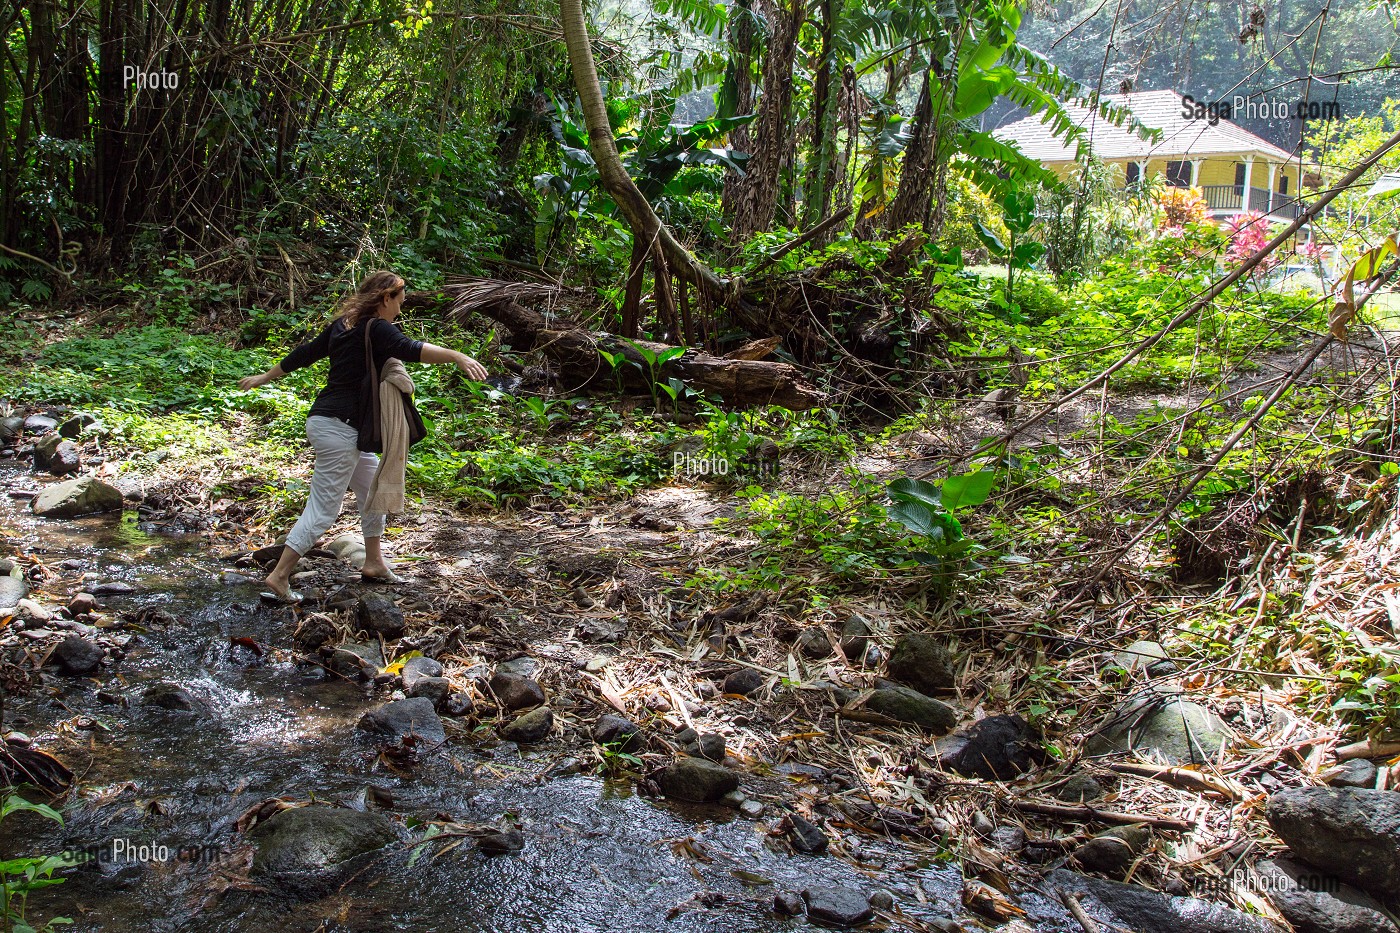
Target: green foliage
[{"x": 19, "y": 877}]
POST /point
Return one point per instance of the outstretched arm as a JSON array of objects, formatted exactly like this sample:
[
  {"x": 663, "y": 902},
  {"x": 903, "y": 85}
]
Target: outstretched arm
[
  {"x": 432, "y": 353},
  {"x": 262, "y": 379}
]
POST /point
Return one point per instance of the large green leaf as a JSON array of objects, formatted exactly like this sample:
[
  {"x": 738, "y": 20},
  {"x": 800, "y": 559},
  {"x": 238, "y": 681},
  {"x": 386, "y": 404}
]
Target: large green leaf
[{"x": 968, "y": 489}]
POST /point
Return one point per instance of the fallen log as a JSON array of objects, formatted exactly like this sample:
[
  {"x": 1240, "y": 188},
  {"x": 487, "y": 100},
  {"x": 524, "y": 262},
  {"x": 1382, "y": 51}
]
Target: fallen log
[{"x": 591, "y": 359}]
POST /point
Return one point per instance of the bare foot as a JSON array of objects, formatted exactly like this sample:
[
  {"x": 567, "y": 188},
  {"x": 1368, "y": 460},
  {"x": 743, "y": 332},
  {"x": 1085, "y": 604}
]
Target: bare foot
[{"x": 281, "y": 587}]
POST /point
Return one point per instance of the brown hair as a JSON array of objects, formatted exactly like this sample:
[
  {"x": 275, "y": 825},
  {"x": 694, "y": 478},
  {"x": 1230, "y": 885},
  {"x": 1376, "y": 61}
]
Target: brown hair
[{"x": 372, "y": 291}]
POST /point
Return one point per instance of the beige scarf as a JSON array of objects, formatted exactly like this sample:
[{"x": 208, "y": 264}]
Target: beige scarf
[{"x": 386, "y": 492}]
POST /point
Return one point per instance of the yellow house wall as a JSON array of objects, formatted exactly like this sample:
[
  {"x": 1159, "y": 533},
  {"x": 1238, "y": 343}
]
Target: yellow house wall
[{"x": 1217, "y": 170}]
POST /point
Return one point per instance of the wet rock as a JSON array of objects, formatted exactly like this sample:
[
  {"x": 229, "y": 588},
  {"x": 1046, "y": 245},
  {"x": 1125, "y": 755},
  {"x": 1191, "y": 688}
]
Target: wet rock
[
  {"x": 881, "y": 899},
  {"x": 920, "y": 662},
  {"x": 313, "y": 839},
  {"x": 837, "y": 906},
  {"x": 997, "y": 748},
  {"x": 82, "y": 604},
  {"x": 1145, "y": 911},
  {"x": 788, "y": 904},
  {"x": 1358, "y": 772},
  {"x": 113, "y": 588},
  {"x": 1079, "y": 788},
  {"x": 457, "y": 704},
  {"x": 34, "y": 612},
  {"x": 501, "y": 843},
  {"x": 39, "y": 424},
  {"x": 623, "y": 735},
  {"x": 405, "y": 719},
  {"x": 751, "y": 809},
  {"x": 525, "y": 667},
  {"x": 516, "y": 691},
  {"x": 74, "y": 424},
  {"x": 1177, "y": 730},
  {"x": 814, "y": 644},
  {"x": 698, "y": 780},
  {"x": 805, "y": 835},
  {"x": 531, "y": 727},
  {"x": 56, "y": 455},
  {"x": 10, "y": 427},
  {"x": 1113, "y": 852},
  {"x": 12, "y": 590},
  {"x": 1315, "y": 903},
  {"x": 745, "y": 681},
  {"x": 377, "y": 614},
  {"x": 76, "y": 656},
  {"x": 709, "y": 745},
  {"x": 174, "y": 698},
  {"x": 74, "y": 497},
  {"x": 356, "y": 659},
  {"x": 1349, "y": 832},
  {"x": 910, "y": 706},
  {"x": 433, "y": 689},
  {"x": 1010, "y": 838},
  {"x": 417, "y": 667}
]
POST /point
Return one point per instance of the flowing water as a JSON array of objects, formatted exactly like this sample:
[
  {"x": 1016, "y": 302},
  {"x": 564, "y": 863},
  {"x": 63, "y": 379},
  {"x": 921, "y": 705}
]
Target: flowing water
[{"x": 597, "y": 857}]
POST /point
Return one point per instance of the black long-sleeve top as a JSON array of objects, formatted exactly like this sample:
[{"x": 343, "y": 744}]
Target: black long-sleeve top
[{"x": 345, "y": 346}]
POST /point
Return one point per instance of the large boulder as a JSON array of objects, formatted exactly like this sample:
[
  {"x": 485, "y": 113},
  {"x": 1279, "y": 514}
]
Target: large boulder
[
  {"x": 921, "y": 662},
  {"x": 74, "y": 497},
  {"x": 12, "y": 590},
  {"x": 516, "y": 691},
  {"x": 1315, "y": 903},
  {"x": 1167, "y": 727},
  {"x": 76, "y": 656},
  {"x": 1349, "y": 832},
  {"x": 912, "y": 707},
  {"x": 413, "y": 718},
  {"x": 997, "y": 748},
  {"x": 1130, "y": 907},
  {"x": 697, "y": 780},
  {"x": 314, "y": 839}
]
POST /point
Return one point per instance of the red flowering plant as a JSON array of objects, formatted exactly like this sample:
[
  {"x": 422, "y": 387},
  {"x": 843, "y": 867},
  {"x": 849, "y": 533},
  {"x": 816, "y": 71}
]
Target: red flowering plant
[{"x": 1249, "y": 232}]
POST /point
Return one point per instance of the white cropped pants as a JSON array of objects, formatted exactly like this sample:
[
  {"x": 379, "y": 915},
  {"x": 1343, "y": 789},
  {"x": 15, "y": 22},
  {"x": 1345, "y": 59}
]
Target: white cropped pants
[{"x": 339, "y": 465}]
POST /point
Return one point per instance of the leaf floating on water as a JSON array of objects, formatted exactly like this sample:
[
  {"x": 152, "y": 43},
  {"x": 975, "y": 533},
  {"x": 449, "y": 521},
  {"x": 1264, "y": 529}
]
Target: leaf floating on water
[
  {"x": 750, "y": 878},
  {"x": 246, "y": 642}
]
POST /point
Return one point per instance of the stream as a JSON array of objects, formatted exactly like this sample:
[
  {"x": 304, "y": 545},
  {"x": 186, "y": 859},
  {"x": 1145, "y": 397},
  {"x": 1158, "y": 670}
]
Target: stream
[{"x": 155, "y": 783}]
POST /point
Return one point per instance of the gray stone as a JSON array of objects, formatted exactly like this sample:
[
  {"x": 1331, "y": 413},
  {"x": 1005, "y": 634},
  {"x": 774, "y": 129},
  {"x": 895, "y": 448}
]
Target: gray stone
[
  {"x": 34, "y": 612},
  {"x": 433, "y": 689},
  {"x": 1146, "y": 911},
  {"x": 910, "y": 706},
  {"x": 745, "y": 682},
  {"x": 1348, "y": 832},
  {"x": 1079, "y": 788},
  {"x": 788, "y": 904},
  {"x": 881, "y": 899},
  {"x": 621, "y": 734},
  {"x": 524, "y": 666},
  {"x": 74, "y": 424},
  {"x": 997, "y": 748},
  {"x": 81, "y": 604},
  {"x": 814, "y": 644},
  {"x": 1315, "y": 903},
  {"x": 805, "y": 835},
  {"x": 710, "y": 745},
  {"x": 516, "y": 691},
  {"x": 377, "y": 614},
  {"x": 1358, "y": 772},
  {"x": 531, "y": 727},
  {"x": 74, "y": 497},
  {"x": 855, "y": 638},
  {"x": 698, "y": 780},
  {"x": 413, "y": 719},
  {"x": 1175, "y": 730},
  {"x": 39, "y": 424},
  {"x": 10, "y": 427},
  {"x": 174, "y": 698},
  {"x": 457, "y": 704},
  {"x": 920, "y": 662},
  {"x": 838, "y": 906},
  {"x": 56, "y": 455},
  {"x": 1146, "y": 656},
  {"x": 501, "y": 843},
  {"x": 77, "y": 656},
  {"x": 12, "y": 590},
  {"x": 356, "y": 659},
  {"x": 317, "y": 838},
  {"x": 1114, "y": 851},
  {"x": 113, "y": 588},
  {"x": 417, "y": 667}
]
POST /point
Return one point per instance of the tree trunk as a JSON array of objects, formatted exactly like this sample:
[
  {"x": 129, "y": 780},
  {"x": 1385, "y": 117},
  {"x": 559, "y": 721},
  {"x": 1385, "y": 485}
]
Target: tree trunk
[
  {"x": 913, "y": 199},
  {"x": 640, "y": 216},
  {"x": 826, "y": 92},
  {"x": 736, "y": 99},
  {"x": 758, "y": 192}
]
